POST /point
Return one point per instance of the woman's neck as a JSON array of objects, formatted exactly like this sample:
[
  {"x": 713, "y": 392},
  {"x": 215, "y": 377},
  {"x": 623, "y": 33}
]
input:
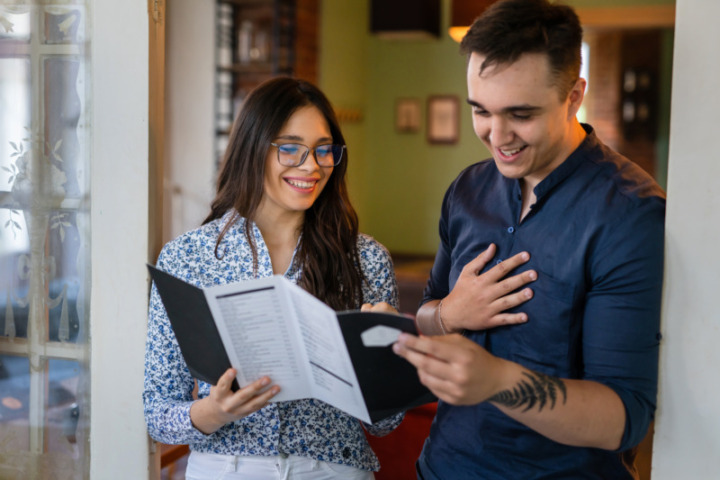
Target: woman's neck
[{"x": 280, "y": 234}]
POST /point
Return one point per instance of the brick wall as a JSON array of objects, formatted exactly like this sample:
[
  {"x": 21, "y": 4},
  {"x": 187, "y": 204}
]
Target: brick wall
[
  {"x": 611, "y": 53},
  {"x": 306, "y": 46}
]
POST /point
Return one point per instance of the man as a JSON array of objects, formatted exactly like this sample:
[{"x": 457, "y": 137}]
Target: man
[{"x": 563, "y": 385}]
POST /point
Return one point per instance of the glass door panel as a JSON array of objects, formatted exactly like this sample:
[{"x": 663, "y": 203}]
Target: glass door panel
[{"x": 44, "y": 232}]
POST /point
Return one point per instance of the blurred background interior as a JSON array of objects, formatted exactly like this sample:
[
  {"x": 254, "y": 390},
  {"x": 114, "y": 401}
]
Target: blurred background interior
[{"x": 396, "y": 78}]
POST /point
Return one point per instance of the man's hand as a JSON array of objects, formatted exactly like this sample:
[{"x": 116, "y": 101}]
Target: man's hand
[
  {"x": 480, "y": 301},
  {"x": 456, "y": 369}
]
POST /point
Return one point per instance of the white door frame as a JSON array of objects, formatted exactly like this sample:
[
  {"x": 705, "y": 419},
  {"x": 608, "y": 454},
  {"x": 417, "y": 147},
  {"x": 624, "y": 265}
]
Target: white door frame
[{"x": 119, "y": 445}]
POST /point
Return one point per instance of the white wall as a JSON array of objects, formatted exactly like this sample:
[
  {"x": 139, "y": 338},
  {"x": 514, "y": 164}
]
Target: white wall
[
  {"x": 687, "y": 432},
  {"x": 190, "y": 77},
  {"x": 119, "y": 237}
]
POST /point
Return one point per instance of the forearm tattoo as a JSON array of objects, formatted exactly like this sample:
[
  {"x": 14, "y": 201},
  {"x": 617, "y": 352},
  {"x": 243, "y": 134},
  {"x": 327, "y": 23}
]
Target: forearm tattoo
[{"x": 538, "y": 389}]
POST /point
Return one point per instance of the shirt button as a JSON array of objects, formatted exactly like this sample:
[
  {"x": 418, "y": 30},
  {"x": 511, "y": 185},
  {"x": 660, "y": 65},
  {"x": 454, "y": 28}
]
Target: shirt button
[
  {"x": 511, "y": 229},
  {"x": 499, "y": 261}
]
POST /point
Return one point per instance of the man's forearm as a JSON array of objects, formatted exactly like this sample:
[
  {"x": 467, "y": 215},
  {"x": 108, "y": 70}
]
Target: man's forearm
[{"x": 580, "y": 413}]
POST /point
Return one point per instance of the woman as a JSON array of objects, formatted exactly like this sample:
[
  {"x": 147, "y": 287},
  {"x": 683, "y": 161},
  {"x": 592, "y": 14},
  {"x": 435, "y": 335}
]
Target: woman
[{"x": 281, "y": 207}]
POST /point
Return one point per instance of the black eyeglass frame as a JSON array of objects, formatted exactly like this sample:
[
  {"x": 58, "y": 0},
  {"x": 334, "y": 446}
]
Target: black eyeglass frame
[{"x": 307, "y": 153}]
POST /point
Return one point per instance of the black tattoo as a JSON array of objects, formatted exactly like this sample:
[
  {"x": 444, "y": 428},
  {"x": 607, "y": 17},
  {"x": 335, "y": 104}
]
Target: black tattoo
[{"x": 538, "y": 389}]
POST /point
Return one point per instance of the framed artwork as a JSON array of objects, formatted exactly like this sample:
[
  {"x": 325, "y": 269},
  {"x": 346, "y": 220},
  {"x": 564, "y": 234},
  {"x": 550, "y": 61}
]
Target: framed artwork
[
  {"x": 407, "y": 115},
  {"x": 443, "y": 119}
]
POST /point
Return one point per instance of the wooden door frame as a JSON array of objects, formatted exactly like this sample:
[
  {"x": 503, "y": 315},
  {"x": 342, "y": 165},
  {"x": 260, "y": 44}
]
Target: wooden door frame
[
  {"x": 159, "y": 457},
  {"x": 156, "y": 122}
]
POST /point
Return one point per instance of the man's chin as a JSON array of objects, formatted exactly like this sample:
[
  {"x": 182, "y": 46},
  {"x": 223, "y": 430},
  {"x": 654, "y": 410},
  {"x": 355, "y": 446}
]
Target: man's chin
[{"x": 512, "y": 171}]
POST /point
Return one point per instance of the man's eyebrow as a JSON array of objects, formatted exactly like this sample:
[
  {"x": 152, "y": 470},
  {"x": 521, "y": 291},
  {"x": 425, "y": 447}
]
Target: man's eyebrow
[{"x": 511, "y": 109}]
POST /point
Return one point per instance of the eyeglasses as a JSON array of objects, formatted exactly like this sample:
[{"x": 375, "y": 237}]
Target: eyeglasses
[{"x": 294, "y": 154}]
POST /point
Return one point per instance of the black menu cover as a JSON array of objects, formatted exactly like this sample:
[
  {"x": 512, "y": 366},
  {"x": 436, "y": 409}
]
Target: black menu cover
[{"x": 388, "y": 383}]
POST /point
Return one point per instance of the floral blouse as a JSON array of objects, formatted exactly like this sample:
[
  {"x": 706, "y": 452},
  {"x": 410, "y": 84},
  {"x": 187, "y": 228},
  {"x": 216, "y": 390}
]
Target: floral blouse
[{"x": 306, "y": 427}]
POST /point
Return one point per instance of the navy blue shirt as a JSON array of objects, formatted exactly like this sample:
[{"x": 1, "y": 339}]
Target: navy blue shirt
[{"x": 595, "y": 237}]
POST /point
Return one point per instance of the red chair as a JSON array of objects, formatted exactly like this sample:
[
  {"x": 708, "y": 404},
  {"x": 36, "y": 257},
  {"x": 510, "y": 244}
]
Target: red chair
[{"x": 399, "y": 450}]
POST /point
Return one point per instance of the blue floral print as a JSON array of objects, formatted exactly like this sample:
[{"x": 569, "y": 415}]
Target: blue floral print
[{"x": 305, "y": 427}]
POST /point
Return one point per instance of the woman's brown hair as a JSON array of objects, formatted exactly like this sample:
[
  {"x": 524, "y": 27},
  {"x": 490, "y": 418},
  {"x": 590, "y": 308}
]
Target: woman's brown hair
[{"x": 327, "y": 252}]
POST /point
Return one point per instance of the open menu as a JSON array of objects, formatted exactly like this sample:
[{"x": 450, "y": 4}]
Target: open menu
[{"x": 270, "y": 326}]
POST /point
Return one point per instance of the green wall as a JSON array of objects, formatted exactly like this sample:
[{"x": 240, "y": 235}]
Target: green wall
[
  {"x": 343, "y": 77},
  {"x": 407, "y": 174},
  {"x": 397, "y": 180}
]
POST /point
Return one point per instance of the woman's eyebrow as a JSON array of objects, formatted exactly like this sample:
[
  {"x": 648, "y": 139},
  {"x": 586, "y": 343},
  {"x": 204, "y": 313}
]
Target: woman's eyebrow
[{"x": 297, "y": 138}]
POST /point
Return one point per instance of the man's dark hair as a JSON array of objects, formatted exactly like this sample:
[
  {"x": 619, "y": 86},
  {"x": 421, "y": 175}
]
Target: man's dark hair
[{"x": 510, "y": 28}]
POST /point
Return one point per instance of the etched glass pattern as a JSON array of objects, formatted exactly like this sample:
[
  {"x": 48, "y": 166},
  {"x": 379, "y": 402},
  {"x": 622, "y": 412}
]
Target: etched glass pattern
[{"x": 44, "y": 233}]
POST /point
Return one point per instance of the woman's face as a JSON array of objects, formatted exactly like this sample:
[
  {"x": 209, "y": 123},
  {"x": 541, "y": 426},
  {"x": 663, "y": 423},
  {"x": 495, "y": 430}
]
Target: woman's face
[{"x": 291, "y": 190}]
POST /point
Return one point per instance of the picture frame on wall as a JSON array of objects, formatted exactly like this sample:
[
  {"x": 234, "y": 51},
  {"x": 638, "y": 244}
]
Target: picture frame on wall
[
  {"x": 407, "y": 115},
  {"x": 443, "y": 119}
]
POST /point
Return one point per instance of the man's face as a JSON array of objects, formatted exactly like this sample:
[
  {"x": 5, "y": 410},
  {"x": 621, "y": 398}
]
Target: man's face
[{"x": 519, "y": 115}]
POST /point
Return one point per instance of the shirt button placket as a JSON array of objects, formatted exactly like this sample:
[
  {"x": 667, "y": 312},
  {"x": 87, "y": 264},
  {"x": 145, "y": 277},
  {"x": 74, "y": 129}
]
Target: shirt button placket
[{"x": 511, "y": 231}]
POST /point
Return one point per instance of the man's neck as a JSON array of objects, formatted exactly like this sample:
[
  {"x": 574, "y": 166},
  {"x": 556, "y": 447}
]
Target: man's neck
[
  {"x": 528, "y": 197},
  {"x": 575, "y": 137}
]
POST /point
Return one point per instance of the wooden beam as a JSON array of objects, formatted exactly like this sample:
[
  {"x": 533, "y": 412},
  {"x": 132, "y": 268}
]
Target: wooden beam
[
  {"x": 641, "y": 16},
  {"x": 156, "y": 124},
  {"x": 170, "y": 454}
]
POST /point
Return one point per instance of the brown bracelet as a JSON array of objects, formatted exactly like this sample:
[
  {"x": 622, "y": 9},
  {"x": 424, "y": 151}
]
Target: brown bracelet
[{"x": 440, "y": 320}]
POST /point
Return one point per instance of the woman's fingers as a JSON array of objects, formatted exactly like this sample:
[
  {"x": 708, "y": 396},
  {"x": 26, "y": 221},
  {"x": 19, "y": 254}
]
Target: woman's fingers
[
  {"x": 262, "y": 399},
  {"x": 378, "y": 307},
  {"x": 224, "y": 383},
  {"x": 252, "y": 397}
]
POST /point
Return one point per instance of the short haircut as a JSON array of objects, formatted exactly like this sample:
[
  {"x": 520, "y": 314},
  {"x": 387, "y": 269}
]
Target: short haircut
[{"x": 510, "y": 28}]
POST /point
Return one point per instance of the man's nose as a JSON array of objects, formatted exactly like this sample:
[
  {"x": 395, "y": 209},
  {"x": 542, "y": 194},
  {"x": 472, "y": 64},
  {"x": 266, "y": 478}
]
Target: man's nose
[{"x": 500, "y": 132}]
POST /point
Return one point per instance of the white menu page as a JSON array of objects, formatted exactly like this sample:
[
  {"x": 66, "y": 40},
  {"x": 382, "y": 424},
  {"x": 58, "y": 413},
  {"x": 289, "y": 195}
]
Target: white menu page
[{"x": 272, "y": 327}]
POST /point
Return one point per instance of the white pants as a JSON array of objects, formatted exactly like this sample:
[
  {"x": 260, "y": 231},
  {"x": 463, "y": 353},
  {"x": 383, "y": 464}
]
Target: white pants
[{"x": 210, "y": 466}]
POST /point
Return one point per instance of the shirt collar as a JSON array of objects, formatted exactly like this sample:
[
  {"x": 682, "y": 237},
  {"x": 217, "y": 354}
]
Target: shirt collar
[
  {"x": 237, "y": 230},
  {"x": 565, "y": 169}
]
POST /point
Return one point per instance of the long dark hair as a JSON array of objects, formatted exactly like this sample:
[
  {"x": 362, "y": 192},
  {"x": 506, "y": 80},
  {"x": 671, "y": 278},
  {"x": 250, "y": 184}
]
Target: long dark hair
[{"x": 327, "y": 252}]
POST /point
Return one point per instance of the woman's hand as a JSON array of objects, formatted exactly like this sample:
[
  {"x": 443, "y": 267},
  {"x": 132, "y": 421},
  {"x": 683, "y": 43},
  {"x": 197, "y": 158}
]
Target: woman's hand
[
  {"x": 223, "y": 405},
  {"x": 378, "y": 307}
]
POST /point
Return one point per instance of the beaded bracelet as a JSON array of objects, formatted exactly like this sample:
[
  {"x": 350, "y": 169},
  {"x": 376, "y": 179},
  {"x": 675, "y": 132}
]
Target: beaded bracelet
[{"x": 440, "y": 320}]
